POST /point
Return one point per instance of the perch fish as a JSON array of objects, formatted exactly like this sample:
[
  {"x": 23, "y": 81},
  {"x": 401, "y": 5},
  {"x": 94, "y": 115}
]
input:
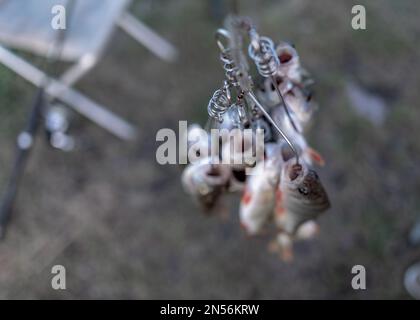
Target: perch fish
[
  {"x": 301, "y": 196},
  {"x": 206, "y": 181},
  {"x": 259, "y": 198}
]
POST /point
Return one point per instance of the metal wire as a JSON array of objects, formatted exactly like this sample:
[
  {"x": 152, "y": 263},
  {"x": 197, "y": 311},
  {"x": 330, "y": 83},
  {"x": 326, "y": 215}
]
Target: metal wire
[
  {"x": 262, "y": 51},
  {"x": 274, "y": 124},
  {"x": 235, "y": 69},
  {"x": 219, "y": 103},
  {"x": 264, "y": 56}
]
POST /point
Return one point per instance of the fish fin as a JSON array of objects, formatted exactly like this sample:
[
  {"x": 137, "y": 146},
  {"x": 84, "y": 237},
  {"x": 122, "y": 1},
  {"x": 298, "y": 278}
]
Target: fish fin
[
  {"x": 243, "y": 226},
  {"x": 286, "y": 247},
  {"x": 246, "y": 198},
  {"x": 280, "y": 217},
  {"x": 246, "y": 230},
  {"x": 315, "y": 156},
  {"x": 279, "y": 209},
  {"x": 307, "y": 230},
  {"x": 283, "y": 246}
]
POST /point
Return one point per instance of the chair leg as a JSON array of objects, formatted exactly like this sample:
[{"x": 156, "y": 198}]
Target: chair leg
[
  {"x": 79, "y": 69},
  {"x": 82, "y": 104},
  {"x": 146, "y": 36}
]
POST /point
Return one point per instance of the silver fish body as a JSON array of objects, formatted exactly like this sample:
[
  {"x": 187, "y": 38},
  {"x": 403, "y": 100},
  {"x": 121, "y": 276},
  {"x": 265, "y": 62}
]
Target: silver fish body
[
  {"x": 259, "y": 198},
  {"x": 241, "y": 149},
  {"x": 301, "y": 106},
  {"x": 267, "y": 93}
]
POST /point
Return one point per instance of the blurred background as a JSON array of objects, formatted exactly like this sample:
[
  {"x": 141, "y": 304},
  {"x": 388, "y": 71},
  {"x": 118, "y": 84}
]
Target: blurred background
[{"x": 123, "y": 227}]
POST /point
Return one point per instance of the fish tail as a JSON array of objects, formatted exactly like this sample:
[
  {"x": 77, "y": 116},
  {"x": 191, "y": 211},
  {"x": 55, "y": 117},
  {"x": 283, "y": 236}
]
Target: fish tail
[
  {"x": 286, "y": 247},
  {"x": 307, "y": 230},
  {"x": 315, "y": 156},
  {"x": 246, "y": 198},
  {"x": 283, "y": 246}
]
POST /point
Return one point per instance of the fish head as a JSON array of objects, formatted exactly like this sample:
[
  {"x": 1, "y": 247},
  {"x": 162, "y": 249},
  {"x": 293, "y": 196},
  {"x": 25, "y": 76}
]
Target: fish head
[
  {"x": 287, "y": 53},
  {"x": 303, "y": 188},
  {"x": 205, "y": 181}
]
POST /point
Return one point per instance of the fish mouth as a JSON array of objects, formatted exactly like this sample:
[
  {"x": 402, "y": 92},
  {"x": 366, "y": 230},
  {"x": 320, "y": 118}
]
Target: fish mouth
[
  {"x": 286, "y": 53},
  {"x": 285, "y": 56},
  {"x": 295, "y": 171},
  {"x": 216, "y": 175},
  {"x": 239, "y": 175}
]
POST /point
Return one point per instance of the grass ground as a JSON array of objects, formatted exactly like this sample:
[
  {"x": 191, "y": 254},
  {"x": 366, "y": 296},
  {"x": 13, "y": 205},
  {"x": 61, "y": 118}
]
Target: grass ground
[{"x": 121, "y": 224}]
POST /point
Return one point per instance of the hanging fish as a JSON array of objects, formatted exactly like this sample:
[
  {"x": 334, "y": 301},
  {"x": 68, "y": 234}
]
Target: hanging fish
[
  {"x": 301, "y": 196},
  {"x": 237, "y": 180},
  {"x": 261, "y": 124},
  {"x": 241, "y": 149},
  {"x": 205, "y": 181},
  {"x": 259, "y": 198},
  {"x": 267, "y": 93}
]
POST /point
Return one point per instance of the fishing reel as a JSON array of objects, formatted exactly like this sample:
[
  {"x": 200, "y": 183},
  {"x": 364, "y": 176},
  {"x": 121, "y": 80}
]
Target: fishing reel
[{"x": 56, "y": 126}]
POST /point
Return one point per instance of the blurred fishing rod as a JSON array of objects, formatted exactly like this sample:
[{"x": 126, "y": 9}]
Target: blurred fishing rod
[{"x": 25, "y": 140}]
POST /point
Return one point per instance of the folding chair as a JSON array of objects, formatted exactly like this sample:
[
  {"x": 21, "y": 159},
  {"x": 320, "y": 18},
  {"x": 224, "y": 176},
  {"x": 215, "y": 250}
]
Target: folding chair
[{"x": 26, "y": 25}]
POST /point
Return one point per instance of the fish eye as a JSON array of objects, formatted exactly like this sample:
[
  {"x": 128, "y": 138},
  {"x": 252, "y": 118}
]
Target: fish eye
[{"x": 303, "y": 190}]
